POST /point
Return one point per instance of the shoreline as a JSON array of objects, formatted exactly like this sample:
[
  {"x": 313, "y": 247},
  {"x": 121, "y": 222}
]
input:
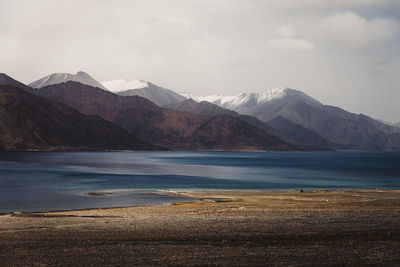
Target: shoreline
[
  {"x": 199, "y": 195},
  {"x": 222, "y": 227}
]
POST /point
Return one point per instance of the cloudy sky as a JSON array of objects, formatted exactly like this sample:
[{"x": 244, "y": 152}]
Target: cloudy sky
[{"x": 342, "y": 52}]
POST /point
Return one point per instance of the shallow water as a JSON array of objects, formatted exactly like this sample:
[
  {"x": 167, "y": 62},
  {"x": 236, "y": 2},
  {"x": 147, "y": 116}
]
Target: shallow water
[{"x": 33, "y": 181}]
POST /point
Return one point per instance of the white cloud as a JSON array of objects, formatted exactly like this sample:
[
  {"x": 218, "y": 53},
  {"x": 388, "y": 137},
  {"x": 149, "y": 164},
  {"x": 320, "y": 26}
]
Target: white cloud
[
  {"x": 350, "y": 29},
  {"x": 293, "y": 44},
  {"x": 286, "y": 40},
  {"x": 286, "y": 31}
]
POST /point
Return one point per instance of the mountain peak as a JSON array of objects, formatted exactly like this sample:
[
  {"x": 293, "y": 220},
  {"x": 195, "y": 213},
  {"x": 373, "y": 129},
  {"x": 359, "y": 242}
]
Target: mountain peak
[{"x": 55, "y": 78}]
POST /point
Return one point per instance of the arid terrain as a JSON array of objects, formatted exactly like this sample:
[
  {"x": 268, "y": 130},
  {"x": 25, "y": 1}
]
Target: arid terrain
[{"x": 224, "y": 228}]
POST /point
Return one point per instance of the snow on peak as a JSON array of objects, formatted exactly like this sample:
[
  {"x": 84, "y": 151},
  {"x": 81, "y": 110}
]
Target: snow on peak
[
  {"x": 56, "y": 78},
  {"x": 215, "y": 99},
  {"x": 231, "y": 102},
  {"x": 190, "y": 96},
  {"x": 271, "y": 94},
  {"x": 122, "y": 85}
]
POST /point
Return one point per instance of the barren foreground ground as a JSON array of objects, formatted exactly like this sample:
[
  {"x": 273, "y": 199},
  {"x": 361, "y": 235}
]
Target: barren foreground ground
[{"x": 228, "y": 228}]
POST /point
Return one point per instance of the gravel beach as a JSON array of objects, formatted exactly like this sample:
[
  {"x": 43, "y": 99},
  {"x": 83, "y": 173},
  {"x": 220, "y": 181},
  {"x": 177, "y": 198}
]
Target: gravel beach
[{"x": 222, "y": 228}]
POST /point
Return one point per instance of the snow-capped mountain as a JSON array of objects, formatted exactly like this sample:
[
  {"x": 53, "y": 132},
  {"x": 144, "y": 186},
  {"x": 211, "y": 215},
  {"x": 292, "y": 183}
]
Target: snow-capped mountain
[
  {"x": 245, "y": 101},
  {"x": 286, "y": 110},
  {"x": 215, "y": 99},
  {"x": 56, "y": 78},
  {"x": 156, "y": 94},
  {"x": 120, "y": 85}
]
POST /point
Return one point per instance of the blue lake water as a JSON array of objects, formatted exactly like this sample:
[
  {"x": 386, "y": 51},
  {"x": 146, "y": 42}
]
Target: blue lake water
[{"x": 38, "y": 181}]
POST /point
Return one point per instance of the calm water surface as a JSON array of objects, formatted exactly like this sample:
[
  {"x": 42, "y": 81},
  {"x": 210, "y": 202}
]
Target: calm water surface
[{"x": 33, "y": 181}]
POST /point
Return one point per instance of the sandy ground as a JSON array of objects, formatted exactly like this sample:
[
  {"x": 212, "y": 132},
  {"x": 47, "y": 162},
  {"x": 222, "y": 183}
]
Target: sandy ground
[{"x": 224, "y": 228}]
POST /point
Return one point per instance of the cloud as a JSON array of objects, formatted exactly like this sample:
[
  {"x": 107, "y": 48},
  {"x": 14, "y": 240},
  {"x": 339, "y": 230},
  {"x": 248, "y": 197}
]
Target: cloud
[
  {"x": 292, "y": 44},
  {"x": 350, "y": 29},
  {"x": 314, "y": 45},
  {"x": 286, "y": 40},
  {"x": 333, "y": 3},
  {"x": 286, "y": 31}
]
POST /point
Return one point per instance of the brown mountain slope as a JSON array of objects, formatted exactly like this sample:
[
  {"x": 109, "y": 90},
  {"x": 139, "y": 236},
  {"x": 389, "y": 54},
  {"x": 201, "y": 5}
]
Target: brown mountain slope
[
  {"x": 31, "y": 122},
  {"x": 170, "y": 128},
  {"x": 224, "y": 131}
]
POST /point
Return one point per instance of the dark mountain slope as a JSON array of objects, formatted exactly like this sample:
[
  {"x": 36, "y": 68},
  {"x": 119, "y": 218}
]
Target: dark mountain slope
[
  {"x": 33, "y": 122},
  {"x": 7, "y": 80},
  {"x": 224, "y": 131}
]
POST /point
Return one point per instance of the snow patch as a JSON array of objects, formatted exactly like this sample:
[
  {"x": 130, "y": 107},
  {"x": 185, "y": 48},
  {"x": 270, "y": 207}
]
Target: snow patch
[
  {"x": 122, "y": 85},
  {"x": 231, "y": 102},
  {"x": 57, "y": 78}
]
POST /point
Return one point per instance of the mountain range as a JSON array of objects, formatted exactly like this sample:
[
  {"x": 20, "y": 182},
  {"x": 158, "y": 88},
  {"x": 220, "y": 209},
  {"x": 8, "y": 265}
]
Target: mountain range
[
  {"x": 153, "y": 117},
  {"x": 164, "y": 127},
  {"x": 341, "y": 129},
  {"x": 298, "y": 118}
]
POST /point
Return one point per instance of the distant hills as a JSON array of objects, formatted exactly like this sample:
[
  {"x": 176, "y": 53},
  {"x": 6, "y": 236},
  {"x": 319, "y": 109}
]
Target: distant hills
[{"x": 141, "y": 115}]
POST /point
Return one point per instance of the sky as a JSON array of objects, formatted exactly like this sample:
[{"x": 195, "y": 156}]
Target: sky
[{"x": 342, "y": 52}]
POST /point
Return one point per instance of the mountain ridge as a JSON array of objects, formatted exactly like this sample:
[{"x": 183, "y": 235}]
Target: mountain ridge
[
  {"x": 292, "y": 111},
  {"x": 164, "y": 127},
  {"x": 7, "y": 80}
]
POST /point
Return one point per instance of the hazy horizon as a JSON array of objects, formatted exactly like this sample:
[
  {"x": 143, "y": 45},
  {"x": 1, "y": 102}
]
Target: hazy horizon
[{"x": 343, "y": 53}]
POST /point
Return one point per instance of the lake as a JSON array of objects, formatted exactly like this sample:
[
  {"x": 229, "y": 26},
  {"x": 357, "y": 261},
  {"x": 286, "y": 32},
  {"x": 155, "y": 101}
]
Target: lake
[{"x": 41, "y": 181}]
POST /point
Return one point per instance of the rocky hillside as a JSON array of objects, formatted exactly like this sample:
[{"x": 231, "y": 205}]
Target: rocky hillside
[{"x": 30, "y": 122}]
